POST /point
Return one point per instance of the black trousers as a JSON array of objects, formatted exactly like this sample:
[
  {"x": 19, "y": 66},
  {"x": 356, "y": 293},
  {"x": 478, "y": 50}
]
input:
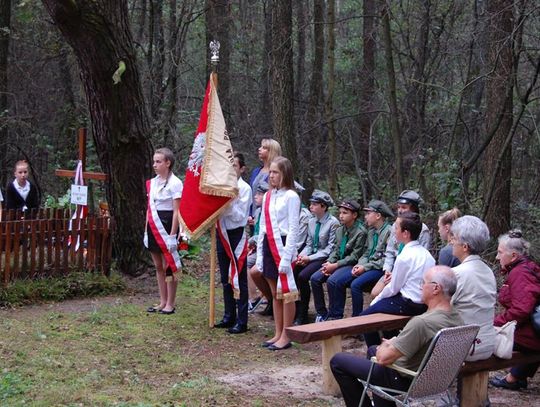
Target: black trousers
[
  {"x": 347, "y": 367},
  {"x": 235, "y": 310}
]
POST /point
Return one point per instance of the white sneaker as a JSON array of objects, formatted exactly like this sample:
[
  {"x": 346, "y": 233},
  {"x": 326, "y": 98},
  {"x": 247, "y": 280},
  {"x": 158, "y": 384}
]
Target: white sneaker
[{"x": 320, "y": 318}]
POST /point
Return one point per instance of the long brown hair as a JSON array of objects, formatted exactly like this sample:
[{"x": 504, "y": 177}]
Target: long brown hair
[{"x": 286, "y": 169}]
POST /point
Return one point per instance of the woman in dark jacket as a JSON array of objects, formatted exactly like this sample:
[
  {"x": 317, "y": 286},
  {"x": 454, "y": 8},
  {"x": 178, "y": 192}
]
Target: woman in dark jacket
[{"x": 518, "y": 296}]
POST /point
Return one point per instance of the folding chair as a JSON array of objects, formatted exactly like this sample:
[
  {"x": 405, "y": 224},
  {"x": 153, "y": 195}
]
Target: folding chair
[{"x": 437, "y": 371}]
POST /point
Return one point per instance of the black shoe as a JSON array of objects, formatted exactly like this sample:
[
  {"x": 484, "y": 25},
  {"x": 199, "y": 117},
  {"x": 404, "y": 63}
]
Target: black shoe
[
  {"x": 274, "y": 347},
  {"x": 253, "y": 305},
  {"x": 224, "y": 324},
  {"x": 268, "y": 310},
  {"x": 153, "y": 309},
  {"x": 502, "y": 383},
  {"x": 163, "y": 312},
  {"x": 238, "y": 329},
  {"x": 266, "y": 344},
  {"x": 300, "y": 321}
]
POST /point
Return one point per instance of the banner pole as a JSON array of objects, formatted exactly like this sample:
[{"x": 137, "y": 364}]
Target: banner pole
[{"x": 213, "y": 262}]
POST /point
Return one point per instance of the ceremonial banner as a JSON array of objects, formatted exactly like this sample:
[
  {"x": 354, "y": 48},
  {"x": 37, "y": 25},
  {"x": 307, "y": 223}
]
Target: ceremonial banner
[{"x": 210, "y": 181}]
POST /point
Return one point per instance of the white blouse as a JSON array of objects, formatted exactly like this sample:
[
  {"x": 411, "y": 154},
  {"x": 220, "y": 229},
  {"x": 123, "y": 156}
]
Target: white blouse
[
  {"x": 285, "y": 203},
  {"x": 163, "y": 192}
]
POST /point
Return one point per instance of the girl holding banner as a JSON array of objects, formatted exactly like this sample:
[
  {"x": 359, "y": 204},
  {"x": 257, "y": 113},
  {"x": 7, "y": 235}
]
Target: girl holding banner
[
  {"x": 160, "y": 237},
  {"x": 278, "y": 235}
]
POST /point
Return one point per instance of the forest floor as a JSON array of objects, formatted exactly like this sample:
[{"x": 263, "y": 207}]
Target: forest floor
[{"x": 108, "y": 351}]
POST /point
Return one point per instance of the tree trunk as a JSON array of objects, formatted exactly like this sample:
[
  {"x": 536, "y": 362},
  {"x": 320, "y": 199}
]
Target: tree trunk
[
  {"x": 313, "y": 154},
  {"x": 265, "y": 120},
  {"x": 5, "y": 30},
  {"x": 392, "y": 97},
  {"x": 99, "y": 34},
  {"x": 329, "y": 105},
  {"x": 282, "y": 78},
  {"x": 367, "y": 90},
  {"x": 218, "y": 26},
  {"x": 499, "y": 110}
]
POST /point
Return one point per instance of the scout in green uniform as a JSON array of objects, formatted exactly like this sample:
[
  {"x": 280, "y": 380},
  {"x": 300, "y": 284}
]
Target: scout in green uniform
[{"x": 350, "y": 238}]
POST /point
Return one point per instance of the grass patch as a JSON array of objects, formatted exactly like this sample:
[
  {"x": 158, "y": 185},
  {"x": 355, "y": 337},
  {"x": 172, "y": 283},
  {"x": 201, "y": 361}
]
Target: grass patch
[
  {"x": 73, "y": 285},
  {"x": 116, "y": 354}
]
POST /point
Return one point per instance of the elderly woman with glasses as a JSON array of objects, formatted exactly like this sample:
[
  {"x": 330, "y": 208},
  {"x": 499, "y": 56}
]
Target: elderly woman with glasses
[
  {"x": 519, "y": 295},
  {"x": 476, "y": 286}
]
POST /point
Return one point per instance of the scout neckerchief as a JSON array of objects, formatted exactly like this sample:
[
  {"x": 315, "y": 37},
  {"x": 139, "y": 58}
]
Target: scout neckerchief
[
  {"x": 344, "y": 241},
  {"x": 286, "y": 287},
  {"x": 237, "y": 256},
  {"x": 159, "y": 232},
  {"x": 376, "y": 239},
  {"x": 315, "y": 245}
]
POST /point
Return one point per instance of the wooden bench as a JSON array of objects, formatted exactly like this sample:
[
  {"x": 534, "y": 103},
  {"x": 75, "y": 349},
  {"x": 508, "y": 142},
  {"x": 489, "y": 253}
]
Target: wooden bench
[
  {"x": 331, "y": 332},
  {"x": 474, "y": 376}
]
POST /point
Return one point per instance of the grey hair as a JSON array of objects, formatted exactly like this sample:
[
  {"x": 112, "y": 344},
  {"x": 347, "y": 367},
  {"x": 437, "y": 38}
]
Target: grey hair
[
  {"x": 471, "y": 231},
  {"x": 446, "y": 278},
  {"x": 514, "y": 242}
]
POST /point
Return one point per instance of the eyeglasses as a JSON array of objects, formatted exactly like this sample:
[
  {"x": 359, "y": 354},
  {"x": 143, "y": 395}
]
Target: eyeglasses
[{"x": 423, "y": 283}]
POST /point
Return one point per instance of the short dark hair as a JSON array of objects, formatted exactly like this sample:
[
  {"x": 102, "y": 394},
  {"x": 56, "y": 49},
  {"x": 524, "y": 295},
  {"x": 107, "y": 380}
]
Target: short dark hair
[
  {"x": 241, "y": 159},
  {"x": 410, "y": 221}
]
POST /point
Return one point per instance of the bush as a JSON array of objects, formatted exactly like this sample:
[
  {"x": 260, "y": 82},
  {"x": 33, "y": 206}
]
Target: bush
[{"x": 75, "y": 284}]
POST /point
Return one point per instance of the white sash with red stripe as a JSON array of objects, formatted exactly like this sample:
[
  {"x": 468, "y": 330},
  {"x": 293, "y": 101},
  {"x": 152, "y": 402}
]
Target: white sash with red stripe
[
  {"x": 159, "y": 232},
  {"x": 237, "y": 256},
  {"x": 286, "y": 286}
]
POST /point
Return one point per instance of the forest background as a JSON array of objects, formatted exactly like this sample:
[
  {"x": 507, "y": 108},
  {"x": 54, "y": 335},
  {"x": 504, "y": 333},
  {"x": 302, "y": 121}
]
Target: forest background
[{"x": 367, "y": 97}]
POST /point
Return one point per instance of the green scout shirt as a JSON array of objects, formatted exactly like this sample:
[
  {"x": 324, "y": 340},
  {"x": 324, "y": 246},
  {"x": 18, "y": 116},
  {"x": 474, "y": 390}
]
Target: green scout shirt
[
  {"x": 374, "y": 248},
  {"x": 352, "y": 246}
]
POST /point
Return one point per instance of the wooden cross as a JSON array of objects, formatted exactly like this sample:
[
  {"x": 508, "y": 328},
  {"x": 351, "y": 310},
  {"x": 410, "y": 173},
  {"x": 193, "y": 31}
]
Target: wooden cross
[{"x": 82, "y": 156}]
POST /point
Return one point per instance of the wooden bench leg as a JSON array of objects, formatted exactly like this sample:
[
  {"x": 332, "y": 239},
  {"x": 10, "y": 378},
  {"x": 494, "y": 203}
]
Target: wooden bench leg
[
  {"x": 474, "y": 389},
  {"x": 330, "y": 347}
]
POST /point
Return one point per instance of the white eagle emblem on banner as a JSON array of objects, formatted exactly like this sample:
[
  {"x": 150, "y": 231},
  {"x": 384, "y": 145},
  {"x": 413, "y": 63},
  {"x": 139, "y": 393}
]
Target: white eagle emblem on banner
[{"x": 197, "y": 154}]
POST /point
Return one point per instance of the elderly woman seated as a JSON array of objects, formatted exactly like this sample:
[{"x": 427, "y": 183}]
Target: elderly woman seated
[
  {"x": 519, "y": 295},
  {"x": 476, "y": 292}
]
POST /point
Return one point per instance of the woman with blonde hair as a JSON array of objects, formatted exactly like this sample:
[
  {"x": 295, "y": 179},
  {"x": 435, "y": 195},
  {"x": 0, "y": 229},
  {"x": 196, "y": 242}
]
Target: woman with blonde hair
[
  {"x": 278, "y": 236},
  {"x": 446, "y": 258},
  {"x": 268, "y": 150}
]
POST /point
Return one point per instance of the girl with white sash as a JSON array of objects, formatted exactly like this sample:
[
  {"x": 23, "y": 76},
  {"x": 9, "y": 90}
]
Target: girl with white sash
[
  {"x": 278, "y": 235},
  {"x": 160, "y": 237}
]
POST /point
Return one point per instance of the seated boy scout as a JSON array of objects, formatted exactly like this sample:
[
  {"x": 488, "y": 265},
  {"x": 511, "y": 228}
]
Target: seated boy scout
[
  {"x": 368, "y": 269},
  {"x": 321, "y": 239},
  {"x": 350, "y": 238}
]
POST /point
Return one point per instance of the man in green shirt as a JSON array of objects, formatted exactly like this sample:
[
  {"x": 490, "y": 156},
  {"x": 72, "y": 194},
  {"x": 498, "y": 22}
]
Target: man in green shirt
[{"x": 407, "y": 349}]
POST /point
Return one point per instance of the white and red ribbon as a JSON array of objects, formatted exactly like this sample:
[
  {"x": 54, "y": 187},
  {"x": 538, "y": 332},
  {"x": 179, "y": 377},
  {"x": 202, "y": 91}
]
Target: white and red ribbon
[
  {"x": 237, "y": 256},
  {"x": 81, "y": 210},
  {"x": 159, "y": 232},
  {"x": 286, "y": 286}
]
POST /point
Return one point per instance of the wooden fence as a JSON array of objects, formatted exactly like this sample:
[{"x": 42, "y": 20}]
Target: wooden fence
[{"x": 43, "y": 242}]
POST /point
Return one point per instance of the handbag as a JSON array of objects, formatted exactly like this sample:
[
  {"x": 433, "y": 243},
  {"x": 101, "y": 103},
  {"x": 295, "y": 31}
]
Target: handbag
[
  {"x": 504, "y": 340},
  {"x": 535, "y": 319}
]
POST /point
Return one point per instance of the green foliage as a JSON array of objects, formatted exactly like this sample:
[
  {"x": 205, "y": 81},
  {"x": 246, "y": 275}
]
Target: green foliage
[
  {"x": 11, "y": 385},
  {"x": 76, "y": 284},
  {"x": 63, "y": 202}
]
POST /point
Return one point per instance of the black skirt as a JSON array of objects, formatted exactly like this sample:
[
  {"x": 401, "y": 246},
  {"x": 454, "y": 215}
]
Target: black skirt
[
  {"x": 270, "y": 269},
  {"x": 166, "y": 219}
]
